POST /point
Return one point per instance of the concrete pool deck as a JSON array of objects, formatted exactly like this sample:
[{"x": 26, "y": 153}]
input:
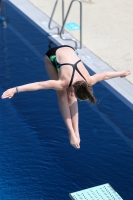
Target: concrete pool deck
[
  {"x": 107, "y": 28},
  {"x": 98, "y": 57}
]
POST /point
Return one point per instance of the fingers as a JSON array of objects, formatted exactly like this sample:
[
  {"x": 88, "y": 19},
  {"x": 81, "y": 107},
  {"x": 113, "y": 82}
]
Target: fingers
[
  {"x": 128, "y": 72},
  {"x": 4, "y": 95},
  {"x": 7, "y": 94},
  {"x": 125, "y": 73}
]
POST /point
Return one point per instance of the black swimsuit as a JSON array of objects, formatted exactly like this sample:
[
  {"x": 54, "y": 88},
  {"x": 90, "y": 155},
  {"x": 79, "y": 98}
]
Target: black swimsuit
[{"x": 51, "y": 53}]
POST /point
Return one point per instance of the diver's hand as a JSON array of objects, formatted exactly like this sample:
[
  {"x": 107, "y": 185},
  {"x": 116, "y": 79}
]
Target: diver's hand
[
  {"x": 125, "y": 73},
  {"x": 9, "y": 93}
]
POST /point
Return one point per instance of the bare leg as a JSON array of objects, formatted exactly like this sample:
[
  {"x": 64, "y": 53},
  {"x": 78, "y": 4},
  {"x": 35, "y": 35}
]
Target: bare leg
[
  {"x": 63, "y": 104},
  {"x": 66, "y": 114},
  {"x": 73, "y": 105}
]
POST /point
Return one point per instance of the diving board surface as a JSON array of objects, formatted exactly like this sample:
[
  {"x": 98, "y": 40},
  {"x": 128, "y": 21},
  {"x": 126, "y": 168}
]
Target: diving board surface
[{"x": 101, "y": 192}]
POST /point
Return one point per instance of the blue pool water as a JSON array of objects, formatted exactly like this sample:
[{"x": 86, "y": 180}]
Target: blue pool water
[{"x": 36, "y": 159}]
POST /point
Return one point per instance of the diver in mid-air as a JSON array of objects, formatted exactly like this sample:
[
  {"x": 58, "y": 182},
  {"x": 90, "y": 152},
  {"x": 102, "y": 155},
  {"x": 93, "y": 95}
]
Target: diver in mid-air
[{"x": 72, "y": 81}]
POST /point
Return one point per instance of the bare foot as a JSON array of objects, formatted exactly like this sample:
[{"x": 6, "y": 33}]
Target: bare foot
[
  {"x": 74, "y": 141},
  {"x": 77, "y": 136}
]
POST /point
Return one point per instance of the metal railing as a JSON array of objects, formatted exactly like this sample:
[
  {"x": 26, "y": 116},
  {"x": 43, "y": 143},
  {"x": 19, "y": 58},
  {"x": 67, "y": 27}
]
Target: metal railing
[
  {"x": 80, "y": 24},
  {"x": 49, "y": 24},
  {"x": 60, "y": 32}
]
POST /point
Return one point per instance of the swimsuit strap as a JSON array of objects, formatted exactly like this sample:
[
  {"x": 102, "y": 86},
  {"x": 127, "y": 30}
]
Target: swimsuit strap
[
  {"x": 75, "y": 68},
  {"x": 66, "y": 64}
]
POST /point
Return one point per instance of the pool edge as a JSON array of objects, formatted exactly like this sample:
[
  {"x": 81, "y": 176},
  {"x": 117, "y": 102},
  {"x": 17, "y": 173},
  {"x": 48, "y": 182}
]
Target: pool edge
[{"x": 120, "y": 87}]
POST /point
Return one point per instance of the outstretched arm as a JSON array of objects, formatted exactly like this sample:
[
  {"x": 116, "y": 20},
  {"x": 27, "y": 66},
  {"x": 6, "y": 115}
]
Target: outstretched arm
[
  {"x": 51, "y": 84},
  {"x": 108, "y": 75}
]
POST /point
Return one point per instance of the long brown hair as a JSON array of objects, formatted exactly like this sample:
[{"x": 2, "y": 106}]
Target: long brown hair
[{"x": 83, "y": 91}]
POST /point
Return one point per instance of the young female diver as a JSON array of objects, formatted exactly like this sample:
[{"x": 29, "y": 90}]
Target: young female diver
[{"x": 71, "y": 80}]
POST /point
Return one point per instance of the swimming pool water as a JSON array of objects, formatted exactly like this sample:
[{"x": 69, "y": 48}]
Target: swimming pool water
[{"x": 36, "y": 159}]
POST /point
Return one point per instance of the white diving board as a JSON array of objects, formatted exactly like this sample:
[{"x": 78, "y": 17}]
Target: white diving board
[{"x": 101, "y": 192}]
